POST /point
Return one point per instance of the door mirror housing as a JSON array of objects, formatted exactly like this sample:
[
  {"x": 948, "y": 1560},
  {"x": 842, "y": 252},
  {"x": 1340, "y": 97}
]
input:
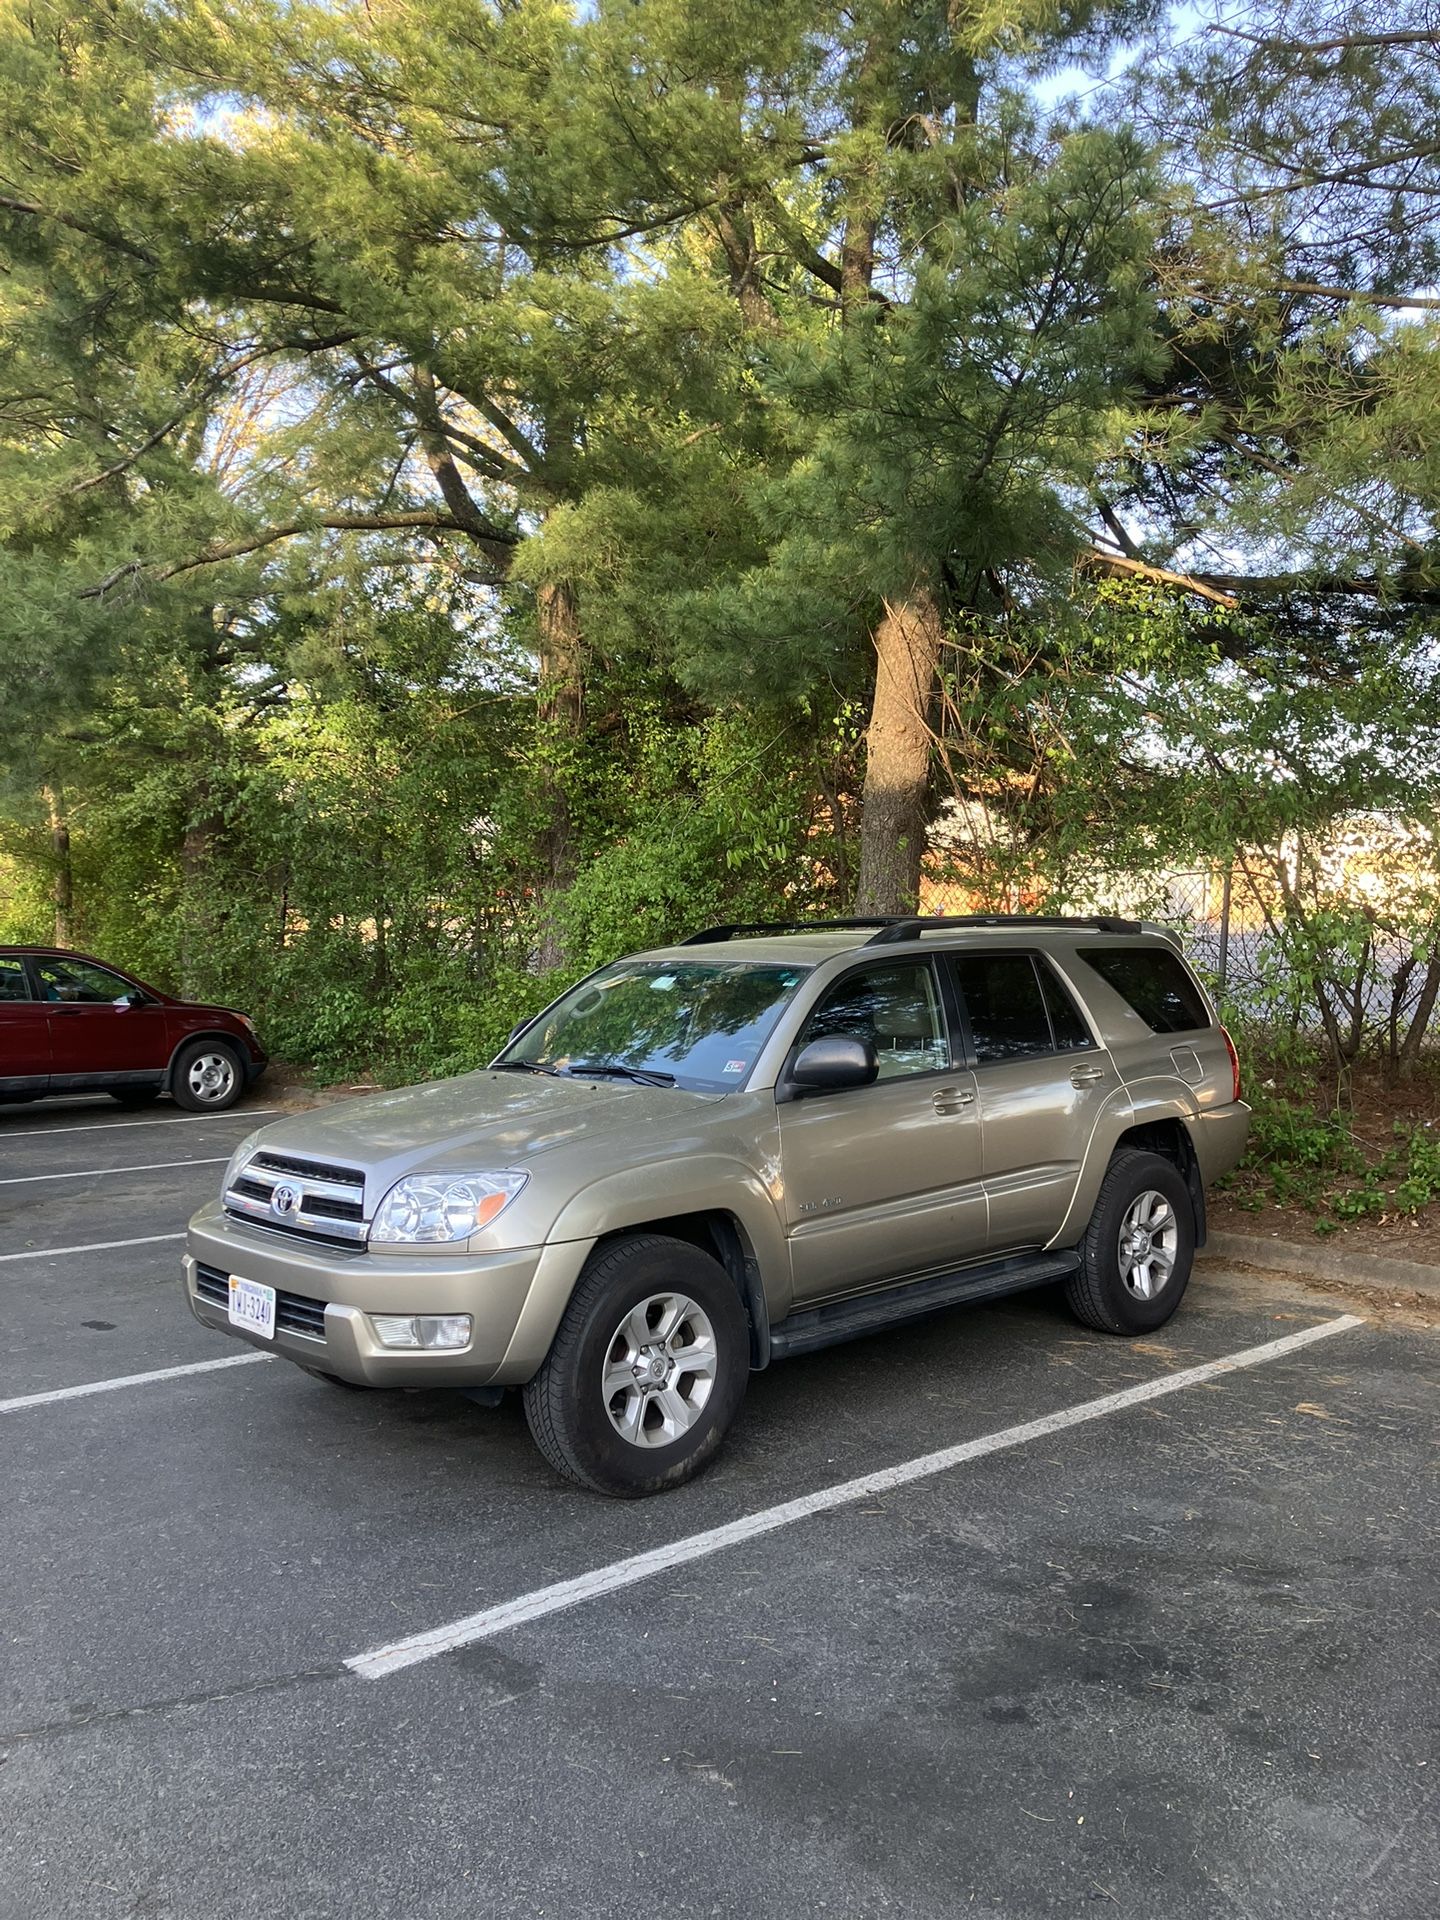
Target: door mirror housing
[
  {"x": 516, "y": 1031},
  {"x": 135, "y": 998},
  {"x": 834, "y": 1061}
]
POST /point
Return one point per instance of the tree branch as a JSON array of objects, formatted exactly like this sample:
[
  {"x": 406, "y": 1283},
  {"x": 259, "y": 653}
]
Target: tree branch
[
  {"x": 35, "y": 211},
  {"x": 496, "y": 543},
  {"x": 1343, "y": 43},
  {"x": 1096, "y": 559},
  {"x": 1306, "y": 289}
]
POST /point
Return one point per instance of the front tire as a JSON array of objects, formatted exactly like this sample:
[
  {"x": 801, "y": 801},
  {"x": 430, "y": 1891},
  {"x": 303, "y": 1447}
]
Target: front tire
[
  {"x": 208, "y": 1076},
  {"x": 647, "y": 1370},
  {"x": 1137, "y": 1253}
]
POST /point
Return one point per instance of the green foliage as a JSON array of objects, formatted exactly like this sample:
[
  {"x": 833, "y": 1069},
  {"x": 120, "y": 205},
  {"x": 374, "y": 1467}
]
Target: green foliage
[
  {"x": 1318, "y": 1159},
  {"x": 341, "y": 344},
  {"x": 742, "y": 846}
]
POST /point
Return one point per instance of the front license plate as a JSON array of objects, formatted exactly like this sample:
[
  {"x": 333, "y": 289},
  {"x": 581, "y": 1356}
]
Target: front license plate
[{"x": 252, "y": 1306}]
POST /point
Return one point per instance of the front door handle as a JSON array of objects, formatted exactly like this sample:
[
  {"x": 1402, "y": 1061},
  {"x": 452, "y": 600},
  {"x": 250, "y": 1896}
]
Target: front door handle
[
  {"x": 1086, "y": 1076},
  {"x": 954, "y": 1099}
]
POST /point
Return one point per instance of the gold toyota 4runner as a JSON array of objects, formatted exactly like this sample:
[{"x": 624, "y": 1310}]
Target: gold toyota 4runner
[{"x": 755, "y": 1143}]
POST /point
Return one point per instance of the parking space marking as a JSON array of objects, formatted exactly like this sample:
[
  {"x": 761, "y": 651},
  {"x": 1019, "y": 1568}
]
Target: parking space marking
[
  {"x": 91, "y": 1246},
  {"x": 130, "y": 1380},
  {"x": 93, "y": 1173},
  {"x": 106, "y": 1126},
  {"x": 380, "y": 1661}
]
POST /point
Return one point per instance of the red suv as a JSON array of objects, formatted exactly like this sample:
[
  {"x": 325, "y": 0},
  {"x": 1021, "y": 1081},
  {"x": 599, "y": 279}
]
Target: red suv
[{"x": 70, "y": 1025}]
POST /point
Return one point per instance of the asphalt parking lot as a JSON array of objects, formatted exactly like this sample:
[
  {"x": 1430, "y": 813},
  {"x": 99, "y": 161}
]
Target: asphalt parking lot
[{"x": 1172, "y": 1654}]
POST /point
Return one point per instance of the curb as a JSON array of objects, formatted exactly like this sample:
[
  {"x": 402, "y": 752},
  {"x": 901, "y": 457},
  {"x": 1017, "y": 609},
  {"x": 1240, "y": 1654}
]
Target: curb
[{"x": 1325, "y": 1263}]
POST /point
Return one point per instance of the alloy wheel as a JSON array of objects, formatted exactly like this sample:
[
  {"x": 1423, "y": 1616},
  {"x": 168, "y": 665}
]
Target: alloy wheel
[
  {"x": 1149, "y": 1243},
  {"x": 659, "y": 1370}
]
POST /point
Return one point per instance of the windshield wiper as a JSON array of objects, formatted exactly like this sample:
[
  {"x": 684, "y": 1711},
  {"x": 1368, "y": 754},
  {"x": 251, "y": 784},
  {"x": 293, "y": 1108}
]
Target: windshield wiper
[
  {"x": 524, "y": 1066},
  {"x": 647, "y": 1076}
]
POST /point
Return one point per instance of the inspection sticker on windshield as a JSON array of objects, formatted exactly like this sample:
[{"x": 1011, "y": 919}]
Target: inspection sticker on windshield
[
  {"x": 734, "y": 1066},
  {"x": 252, "y": 1306}
]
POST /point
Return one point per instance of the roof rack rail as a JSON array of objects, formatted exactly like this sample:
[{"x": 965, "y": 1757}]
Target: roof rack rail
[
  {"x": 912, "y": 928},
  {"x": 733, "y": 930},
  {"x": 886, "y": 929}
]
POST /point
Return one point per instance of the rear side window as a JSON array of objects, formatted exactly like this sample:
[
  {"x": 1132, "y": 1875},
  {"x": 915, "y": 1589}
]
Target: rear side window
[
  {"x": 1154, "y": 982},
  {"x": 1002, "y": 995},
  {"x": 14, "y": 981},
  {"x": 1071, "y": 1033}
]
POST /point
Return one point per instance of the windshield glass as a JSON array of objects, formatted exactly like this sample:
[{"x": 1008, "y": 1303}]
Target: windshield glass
[{"x": 703, "y": 1024}]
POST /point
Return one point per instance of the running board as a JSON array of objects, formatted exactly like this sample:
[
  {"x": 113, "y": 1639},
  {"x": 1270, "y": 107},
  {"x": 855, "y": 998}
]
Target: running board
[{"x": 853, "y": 1318}]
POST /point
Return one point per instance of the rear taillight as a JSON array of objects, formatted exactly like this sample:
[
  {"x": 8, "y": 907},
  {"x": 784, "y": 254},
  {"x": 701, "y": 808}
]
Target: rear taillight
[{"x": 1234, "y": 1064}]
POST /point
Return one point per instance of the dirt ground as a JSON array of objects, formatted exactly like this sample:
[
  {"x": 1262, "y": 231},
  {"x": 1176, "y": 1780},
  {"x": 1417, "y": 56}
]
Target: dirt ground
[
  {"x": 1377, "y": 1114},
  {"x": 1389, "y": 1237}
]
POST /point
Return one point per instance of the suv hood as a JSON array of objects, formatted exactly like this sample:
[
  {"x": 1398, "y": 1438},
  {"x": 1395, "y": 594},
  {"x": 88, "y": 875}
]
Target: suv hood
[{"x": 478, "y": 1121}]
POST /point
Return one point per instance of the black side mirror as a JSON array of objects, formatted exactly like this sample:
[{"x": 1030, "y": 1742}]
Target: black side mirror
[
  {"x": 135, "y": 998},
  {"x": 834, "y": 1061},
  {"x": 516, "y": 1031}
]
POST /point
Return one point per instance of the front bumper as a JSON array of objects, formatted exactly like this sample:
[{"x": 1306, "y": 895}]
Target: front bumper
[{"x": 494, "y": 1289}]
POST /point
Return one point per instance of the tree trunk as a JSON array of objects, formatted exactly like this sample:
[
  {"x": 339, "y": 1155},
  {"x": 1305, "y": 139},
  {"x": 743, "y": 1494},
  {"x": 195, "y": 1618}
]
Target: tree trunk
[
  {"x": 1407, "y": 1056},
  {"x": 62, "y": 887},
  {"x": 561, "y": 716},
  {"x": 895, "y": 810}
]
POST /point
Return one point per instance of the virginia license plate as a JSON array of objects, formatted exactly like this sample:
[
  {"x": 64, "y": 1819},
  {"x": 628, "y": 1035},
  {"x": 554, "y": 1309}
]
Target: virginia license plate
[{"x": 252, "y": 1306}]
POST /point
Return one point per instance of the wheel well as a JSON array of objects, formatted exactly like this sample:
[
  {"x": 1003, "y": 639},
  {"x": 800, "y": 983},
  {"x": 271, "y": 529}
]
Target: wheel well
[
  {"x": 189, "y": 1041},
  {"x": 722, "y": 1236},
  {"x": 1171, "y": 1140}
]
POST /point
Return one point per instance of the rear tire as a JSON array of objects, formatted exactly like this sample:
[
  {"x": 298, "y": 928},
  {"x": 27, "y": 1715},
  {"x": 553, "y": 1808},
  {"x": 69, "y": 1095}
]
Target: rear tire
[
  {"x": 1137, "y": 1253},
  {"x": 208, "y": 1076},
  {"x": 616, "y": 1407}
]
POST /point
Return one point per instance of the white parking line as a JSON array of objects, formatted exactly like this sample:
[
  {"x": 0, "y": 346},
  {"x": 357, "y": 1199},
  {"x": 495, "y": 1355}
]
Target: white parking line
[
  {"x": 91, "y": 1246},
  {"x": 129, "y": 1380},
  {"x": 93, "y": 1173},
  {"x": 106, "y": 1126},
  {"x": 696, "y": 1546}
]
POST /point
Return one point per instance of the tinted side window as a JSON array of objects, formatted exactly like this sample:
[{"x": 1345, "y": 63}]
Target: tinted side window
[
  {"x": 1007, "y": 1013},
  {"x": 1155, "y": 984},
  {"x": 896, "y": 1008},
  {"x": 14, "y": 982},
  {"x": 77, "y": 980},
  {"x": 1071, "y": 1032}
]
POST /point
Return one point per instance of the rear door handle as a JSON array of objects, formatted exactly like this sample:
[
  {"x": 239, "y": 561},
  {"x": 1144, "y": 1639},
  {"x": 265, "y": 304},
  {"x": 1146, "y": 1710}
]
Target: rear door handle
[
  {"x": 953, "y": 1099},
  {"x": 1086, "y": 1076}
]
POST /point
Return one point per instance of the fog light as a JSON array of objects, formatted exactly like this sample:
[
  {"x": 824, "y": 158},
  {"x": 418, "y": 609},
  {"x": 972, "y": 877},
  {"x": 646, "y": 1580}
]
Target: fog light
[
  {"x": 393, "y": 1331},
  {"x": 445, "y": 1330},
  {"x": 432, "y": 1331}
]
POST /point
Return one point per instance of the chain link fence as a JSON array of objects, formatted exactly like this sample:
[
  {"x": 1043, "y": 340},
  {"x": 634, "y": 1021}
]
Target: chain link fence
[
  {"x": 1230, "y": 933},
  {"x": 1235, "y": 935}
]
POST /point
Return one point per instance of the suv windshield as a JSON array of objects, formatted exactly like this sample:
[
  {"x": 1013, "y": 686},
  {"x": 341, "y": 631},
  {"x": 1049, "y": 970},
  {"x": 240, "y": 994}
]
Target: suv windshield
[{"x": 701, "y": 1024}]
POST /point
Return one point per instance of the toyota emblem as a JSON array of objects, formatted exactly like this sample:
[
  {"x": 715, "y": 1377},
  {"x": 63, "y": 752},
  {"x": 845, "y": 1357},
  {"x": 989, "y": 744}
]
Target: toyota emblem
[{"x": 284, "y": 1200}]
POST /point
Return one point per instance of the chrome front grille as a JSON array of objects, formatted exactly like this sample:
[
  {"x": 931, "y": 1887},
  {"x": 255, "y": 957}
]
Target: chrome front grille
[
  {"x": 294, "y": 1312},
  {"x": 308, "y": 1198}
]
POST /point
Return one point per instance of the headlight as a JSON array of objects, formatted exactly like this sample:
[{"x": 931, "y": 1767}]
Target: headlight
[
  {"x": 443, "y": 1206},
  {"x": 237, "y": 1159}
]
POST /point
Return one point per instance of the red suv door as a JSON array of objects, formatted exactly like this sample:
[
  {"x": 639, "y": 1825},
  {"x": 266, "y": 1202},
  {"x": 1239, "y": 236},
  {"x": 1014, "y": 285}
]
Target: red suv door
[
  {"x": 24, "y": 1031},
  {"x": 102, "y": 1028}
]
